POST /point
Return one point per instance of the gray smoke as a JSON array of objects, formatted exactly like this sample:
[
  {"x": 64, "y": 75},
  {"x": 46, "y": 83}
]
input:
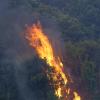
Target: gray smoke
[
  {"x": 13, "y": 19},
  {"x": 16, "y": 49}
]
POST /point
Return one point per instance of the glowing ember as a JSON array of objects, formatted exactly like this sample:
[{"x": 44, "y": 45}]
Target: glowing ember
[{"x": 40, "y": 42}]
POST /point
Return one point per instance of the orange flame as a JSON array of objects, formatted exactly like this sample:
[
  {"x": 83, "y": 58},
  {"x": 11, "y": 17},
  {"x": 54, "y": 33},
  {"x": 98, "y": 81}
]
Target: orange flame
[
  {"x": 76, "y": 96},
  {"x": 40, "y": 42}
]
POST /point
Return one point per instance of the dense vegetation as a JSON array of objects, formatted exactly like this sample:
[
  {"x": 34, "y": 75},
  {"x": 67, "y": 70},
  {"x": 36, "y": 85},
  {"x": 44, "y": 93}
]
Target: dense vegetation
[{"x": 79, "y": 22}]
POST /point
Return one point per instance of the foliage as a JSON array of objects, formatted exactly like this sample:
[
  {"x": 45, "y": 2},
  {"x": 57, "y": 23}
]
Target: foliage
[{"x": 79, "y": 22}]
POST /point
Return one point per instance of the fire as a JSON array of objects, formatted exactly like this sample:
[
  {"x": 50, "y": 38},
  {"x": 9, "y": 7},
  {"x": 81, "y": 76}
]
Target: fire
[
  {"x": 40, "y": 42},
  {"x": 58, "y": 92},
  {"x": 77, "y": 97}
]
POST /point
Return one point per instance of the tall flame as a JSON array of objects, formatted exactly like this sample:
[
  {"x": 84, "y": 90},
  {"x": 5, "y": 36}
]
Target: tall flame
[{"x": 40, "y": 42}]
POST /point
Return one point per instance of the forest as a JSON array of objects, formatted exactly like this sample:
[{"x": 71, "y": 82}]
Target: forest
[{"x": 22, "y": 75}]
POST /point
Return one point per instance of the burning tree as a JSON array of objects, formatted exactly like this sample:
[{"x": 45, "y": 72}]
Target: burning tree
[{"x": 58, "y": 79}]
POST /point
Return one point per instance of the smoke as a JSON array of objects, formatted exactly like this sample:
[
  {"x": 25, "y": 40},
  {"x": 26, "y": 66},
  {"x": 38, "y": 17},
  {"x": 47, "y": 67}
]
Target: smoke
[
  {"x": 14, "y": 45},
  {"x": 52, "y": 30},
  {"x": 12, "y": 23},
  {"x": 21, "y": 75}
]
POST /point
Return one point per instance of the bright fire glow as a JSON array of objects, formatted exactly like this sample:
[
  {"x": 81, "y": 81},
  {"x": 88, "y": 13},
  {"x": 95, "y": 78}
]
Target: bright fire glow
[
  {"x": 58, "y": 92},
  {"x": 40, "y": 42},
  {"x": 77, "y": 97}
]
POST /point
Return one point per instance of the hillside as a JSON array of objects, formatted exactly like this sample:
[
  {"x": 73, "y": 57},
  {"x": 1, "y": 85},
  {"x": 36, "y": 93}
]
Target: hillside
[{"x": 78, "y": 23}]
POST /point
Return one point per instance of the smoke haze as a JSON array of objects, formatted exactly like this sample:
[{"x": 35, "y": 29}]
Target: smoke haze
[{"x": 13, "y": 45}]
